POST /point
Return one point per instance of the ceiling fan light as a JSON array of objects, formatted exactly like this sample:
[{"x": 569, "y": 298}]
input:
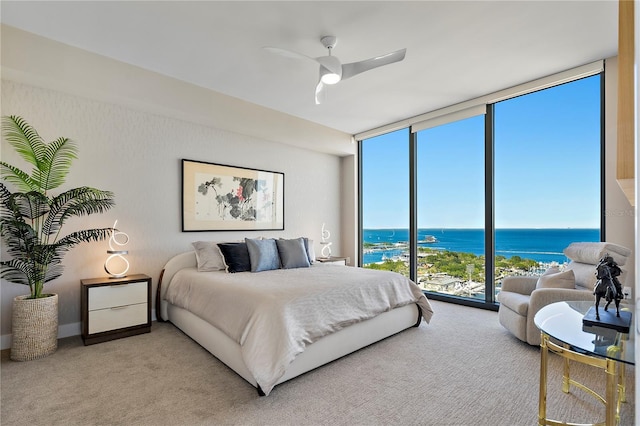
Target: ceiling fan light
[{"x": 328, "y": 77}]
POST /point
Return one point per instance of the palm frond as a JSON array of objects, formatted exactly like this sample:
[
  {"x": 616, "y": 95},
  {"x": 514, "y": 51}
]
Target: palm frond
[
  {"x": 20, "y": 179},
  {"x": 84, "y": 236},
  {"x": 54, "y": 271},
  {"x": 15, "y": 271},
  {"x": 31, "y": 205},
  {"x": 19, "y": 237},
  {"x": 24, "y": 139},
  {"x": 76, "y": 202},
  {"x": 55, "y": 163}
]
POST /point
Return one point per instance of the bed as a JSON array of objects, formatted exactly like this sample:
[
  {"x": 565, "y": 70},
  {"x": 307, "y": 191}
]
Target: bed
[{"x": 248, "y": 320}]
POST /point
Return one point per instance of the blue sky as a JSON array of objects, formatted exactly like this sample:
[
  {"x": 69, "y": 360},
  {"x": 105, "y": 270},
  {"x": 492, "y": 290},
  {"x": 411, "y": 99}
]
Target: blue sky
[{"x": 547, "y": 166}]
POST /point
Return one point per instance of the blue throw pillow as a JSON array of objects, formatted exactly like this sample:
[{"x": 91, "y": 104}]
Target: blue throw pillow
[
  {"x": 292, "y": 253},
  {"x": 236, "y": 256},
  {"x": 263, "y": 254}
]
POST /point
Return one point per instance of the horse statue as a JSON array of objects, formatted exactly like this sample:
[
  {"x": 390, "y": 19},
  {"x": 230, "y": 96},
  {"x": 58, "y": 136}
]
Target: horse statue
[{"x": 608, "y": 286}]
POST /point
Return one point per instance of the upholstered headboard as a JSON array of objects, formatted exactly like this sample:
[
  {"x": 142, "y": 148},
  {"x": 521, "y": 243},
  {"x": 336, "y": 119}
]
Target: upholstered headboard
[{"x": 177, "y": 262}]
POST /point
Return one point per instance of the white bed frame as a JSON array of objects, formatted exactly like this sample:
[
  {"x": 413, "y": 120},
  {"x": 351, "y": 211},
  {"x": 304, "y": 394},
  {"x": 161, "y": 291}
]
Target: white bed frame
[{"x": 323, "y": 351}]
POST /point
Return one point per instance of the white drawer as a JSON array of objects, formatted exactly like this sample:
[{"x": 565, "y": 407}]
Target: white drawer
[
  {"x": 111, "y": 296},
  {"x": 120, "y": 317}
]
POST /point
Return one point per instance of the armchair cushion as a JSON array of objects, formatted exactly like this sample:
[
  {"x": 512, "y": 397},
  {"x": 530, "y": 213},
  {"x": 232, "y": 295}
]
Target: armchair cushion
[
  {"x": 523, "y": 284},
  {"x": 584, "y": 273},
  {"x": 545, "y": 296},
  {"x": 564, "y": 279},
  {"x": 518, "y": 303},
  {"x": 593, "y": 252}
]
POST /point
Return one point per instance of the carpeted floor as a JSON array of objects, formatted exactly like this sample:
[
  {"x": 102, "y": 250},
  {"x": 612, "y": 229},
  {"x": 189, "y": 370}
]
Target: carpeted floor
[{"x": 462, "y": 369}]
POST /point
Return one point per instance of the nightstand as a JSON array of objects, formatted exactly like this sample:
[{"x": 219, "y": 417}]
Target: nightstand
[
  {"x": 112, "y": 308},
  {"x": 333, "y": 260}
]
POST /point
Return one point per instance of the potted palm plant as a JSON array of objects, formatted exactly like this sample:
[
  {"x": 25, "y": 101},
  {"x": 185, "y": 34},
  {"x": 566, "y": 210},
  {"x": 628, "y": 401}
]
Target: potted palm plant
[{"x": 31, "y": 221}]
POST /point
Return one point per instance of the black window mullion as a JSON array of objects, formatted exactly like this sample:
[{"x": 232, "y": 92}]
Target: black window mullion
[
  {"x": 413, "y": 206},
  {"x": 360, "y": 219},
  {"x": 603, "y": 205},
  {"x": 489, "y": 223}
]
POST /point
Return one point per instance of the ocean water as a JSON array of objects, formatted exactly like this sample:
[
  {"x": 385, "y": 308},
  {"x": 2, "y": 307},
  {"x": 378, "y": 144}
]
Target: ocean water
[{"x": 542, "y": 245}]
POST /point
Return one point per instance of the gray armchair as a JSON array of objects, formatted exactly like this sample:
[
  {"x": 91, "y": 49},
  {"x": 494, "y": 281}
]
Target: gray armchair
[{"x": 521, "y": 297}]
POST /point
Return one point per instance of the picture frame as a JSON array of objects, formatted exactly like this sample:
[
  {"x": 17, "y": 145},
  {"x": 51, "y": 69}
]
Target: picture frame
[{"x": 219, "y": 197}]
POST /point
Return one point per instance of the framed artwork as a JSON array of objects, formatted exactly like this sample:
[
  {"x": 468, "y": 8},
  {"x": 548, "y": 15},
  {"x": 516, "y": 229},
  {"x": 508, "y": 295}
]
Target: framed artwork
[{"x": 216, "y": 197}]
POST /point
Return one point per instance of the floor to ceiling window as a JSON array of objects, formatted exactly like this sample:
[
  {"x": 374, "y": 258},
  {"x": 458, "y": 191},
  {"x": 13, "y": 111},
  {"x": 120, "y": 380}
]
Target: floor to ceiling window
[
  {"x": 547, "y": 175},
  {"x": 459, "y": 204},
  {"x": 385, "y": 202},
  {"x": 450, "y": 208}
]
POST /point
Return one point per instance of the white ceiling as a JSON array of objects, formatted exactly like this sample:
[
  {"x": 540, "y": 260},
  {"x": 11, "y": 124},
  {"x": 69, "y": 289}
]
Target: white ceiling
[{"x": 455, "y": 50}]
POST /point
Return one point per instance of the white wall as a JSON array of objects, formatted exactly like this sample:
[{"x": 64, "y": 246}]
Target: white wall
[
  {"x": 349, "y": 203},
  {"x": 619, "y": 214},
  {"x": 134, "y": 147}
]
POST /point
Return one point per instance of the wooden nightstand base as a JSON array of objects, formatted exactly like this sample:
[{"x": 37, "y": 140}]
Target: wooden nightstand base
[
  {"x": 112, "y": 335},
  {"x": 115, "y": 308}
]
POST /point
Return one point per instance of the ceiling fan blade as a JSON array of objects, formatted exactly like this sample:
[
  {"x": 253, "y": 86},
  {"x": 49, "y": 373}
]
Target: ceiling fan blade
[
  {"x": 321, "y": 93},
  {"x": 287, "y": 53},
  {"x": 354, "y": 68}
]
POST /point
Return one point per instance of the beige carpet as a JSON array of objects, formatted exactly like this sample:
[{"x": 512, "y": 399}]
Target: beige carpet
[{"x": 462, "y": 369}]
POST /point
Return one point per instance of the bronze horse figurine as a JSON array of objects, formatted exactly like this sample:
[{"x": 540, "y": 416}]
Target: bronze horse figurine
[{"x": 608, "y": 285}]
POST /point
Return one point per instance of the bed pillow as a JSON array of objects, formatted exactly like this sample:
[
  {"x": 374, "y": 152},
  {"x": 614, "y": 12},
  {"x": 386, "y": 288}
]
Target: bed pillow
[
  {"x": 236, "y": 257},
  {"x": 308, "y": 246},
  {"x": 263, "y": 254},
  {"x": 564, "y": 279},
  {"x": 292, "y": 253},
  {"x": 208, "y": 256}
]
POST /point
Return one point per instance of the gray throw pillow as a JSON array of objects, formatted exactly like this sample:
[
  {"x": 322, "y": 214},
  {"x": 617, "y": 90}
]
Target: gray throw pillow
[
  {"x": 292, "y": 253},
  {"x": 208, "y": 256},
  {"x": 263, "y": 254}
]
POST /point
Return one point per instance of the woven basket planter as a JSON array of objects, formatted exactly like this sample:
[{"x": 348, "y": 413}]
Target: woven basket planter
[{"x": 34, "y": 327}]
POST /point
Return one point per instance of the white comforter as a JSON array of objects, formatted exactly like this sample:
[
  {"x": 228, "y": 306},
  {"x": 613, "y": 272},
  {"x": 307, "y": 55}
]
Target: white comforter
[{"x": 273, "y": 315}]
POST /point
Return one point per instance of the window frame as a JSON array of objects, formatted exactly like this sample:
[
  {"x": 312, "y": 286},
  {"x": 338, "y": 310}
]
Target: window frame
[{"x": 489, "y": 150}]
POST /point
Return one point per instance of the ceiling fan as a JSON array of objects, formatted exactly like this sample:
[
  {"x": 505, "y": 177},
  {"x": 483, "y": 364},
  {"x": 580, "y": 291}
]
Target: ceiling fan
[{"x": 332, "y": 70}]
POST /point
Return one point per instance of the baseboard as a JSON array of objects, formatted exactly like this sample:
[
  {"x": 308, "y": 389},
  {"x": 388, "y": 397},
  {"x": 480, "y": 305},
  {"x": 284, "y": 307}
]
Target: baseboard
[{"x": 65, "y": 330}]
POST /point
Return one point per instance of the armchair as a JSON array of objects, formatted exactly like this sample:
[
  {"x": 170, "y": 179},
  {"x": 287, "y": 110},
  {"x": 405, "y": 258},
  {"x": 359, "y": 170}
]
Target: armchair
[{"x": 521, "y": 297}]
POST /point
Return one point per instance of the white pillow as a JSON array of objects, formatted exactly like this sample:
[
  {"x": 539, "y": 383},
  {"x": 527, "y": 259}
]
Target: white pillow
[
  {"x": 564, "y": 279},
  {"x": 208, "y": 256},
  {"x": 552, "y": 270}
]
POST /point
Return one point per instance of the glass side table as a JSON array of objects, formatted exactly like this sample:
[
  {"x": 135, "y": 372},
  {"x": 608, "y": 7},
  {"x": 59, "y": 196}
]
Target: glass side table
[{"x": 563, "y": 333}]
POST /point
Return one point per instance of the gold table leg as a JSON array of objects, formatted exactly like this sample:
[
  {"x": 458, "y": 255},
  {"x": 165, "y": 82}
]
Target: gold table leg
[
  {"x": 614, "y": 393},
  {"x": 542, "y": 400},
  {"x": 566, "y": 381}
]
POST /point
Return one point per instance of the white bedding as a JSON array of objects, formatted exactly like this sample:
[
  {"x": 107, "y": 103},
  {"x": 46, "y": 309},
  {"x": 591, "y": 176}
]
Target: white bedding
[{"x": 273, "y": 315}]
